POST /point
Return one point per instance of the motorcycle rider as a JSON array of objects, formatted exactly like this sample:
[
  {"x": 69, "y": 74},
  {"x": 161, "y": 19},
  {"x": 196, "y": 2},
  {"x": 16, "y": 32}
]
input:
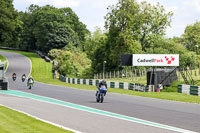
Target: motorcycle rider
[
  {"x": 102, "y": 83},
  {"x": 14, "y": 76},
  {"x": 23, "y": 77},
  {"x": 30, "y": 81}
]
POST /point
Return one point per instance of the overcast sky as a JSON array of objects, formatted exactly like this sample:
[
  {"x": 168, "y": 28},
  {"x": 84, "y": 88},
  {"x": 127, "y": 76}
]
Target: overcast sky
[{"x": 92, "y": 12}]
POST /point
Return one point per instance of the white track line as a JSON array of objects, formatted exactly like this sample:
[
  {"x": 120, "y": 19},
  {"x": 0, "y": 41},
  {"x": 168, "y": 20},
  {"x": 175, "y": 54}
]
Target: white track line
[
  {"x": 63, "y": 127},
  {"x": 162, "y": 125}
]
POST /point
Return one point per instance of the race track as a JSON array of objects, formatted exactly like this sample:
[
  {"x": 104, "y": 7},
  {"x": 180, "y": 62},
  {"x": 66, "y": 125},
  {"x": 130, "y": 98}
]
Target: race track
[{"x": 172, "y": 113}]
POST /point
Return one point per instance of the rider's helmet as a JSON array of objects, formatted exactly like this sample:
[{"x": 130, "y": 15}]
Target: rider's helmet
[
  {"x": 14, "y": 75},
  {"x": 103, "y": 81}
]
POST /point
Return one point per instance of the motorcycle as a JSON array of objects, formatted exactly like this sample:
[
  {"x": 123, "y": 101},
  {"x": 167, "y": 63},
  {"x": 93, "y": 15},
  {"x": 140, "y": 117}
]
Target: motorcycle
[
  {"x": 23, "y": 77},
  {"x": 30, "y": 83},
  {"x": 100, "y": 94},
  {"x": 14, "y": 76}
]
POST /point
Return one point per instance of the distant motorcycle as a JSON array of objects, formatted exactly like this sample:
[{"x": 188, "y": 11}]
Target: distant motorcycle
[
  {"x": 14, "y": 76},
  {"x": 30, "y": 83},
  {"x": 100, "y": 94},
  {"x": 23, "y": 77}
]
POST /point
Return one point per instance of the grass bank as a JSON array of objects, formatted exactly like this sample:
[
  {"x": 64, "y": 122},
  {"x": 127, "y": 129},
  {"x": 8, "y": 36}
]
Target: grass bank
[
  {"x": 2, "y": 58},
  {"x": 41, "y": 72},
  {"x": 16, "y": 122}
]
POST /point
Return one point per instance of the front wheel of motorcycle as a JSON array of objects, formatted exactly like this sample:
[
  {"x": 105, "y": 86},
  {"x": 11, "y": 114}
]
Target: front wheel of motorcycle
[
  {"x": 97, "y": 96},
  {"x": 97, "y": 99},
  {"x": 102, "y": 97}
]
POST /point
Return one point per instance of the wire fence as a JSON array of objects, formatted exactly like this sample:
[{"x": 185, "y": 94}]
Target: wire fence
[{"x": 140, "y": 75}]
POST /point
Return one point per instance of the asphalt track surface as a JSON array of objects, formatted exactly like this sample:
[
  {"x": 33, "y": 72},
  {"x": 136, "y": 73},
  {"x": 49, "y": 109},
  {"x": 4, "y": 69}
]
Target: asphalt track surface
[{"x": 176, "y": 114}]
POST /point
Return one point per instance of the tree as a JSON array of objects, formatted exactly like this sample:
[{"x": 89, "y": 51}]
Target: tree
[
  {"x": 169, "y": 46},
  {"x": 47, "y": 28},
  {"x": 133, "y": 27},
  {"x": 51, "y": 30},
  {"x": 10, "y": 25},
  {"x": 94, "y": 41},
  {"x": 72, "y": 63},
  {"x": 191, "y": 37},
  {"x": 76, "y": 25}
]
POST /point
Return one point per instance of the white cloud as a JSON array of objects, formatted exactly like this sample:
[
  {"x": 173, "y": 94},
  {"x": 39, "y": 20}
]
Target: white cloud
[
  {"x": 171, "y": 8},
  {"x": 64, "y": 3},
  {"x": 56, "y": 3},
  {"x": 103, "y": 3},
  {"x": 195, "y": 4}
]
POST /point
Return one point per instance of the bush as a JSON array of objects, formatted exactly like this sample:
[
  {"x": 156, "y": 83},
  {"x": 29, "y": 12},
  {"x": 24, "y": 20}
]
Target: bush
[
  {"x": 172, "y": 88},
  {"x": 72, "y": 63}
]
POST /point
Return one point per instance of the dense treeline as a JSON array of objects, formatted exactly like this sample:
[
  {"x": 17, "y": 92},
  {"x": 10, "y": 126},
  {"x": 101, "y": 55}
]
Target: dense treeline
[
  {"x": 10, "y": 24},
  {"x": 131, "y": 27},
  {"x": 47, "y": 27}
]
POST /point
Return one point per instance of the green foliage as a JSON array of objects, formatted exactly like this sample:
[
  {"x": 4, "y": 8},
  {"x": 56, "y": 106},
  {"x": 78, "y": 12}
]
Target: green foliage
[
  {"x": 95, "y": 49},
  {"x": 77, "y": 26},
  {"x": 10, "y": 25},
  {"x": 94, "y": 41},
  {"x": 47, "y": 27},
  {"x": 172, "y": 88},
  {"x": 133, "y": 27},
  {"x": 44, "y": 75},
  {"x": 191, "y": 37},
  {"x": 164, "y": 46},
  {"x": 2, "y": 58},
  {"x": 72, "y": 63}
]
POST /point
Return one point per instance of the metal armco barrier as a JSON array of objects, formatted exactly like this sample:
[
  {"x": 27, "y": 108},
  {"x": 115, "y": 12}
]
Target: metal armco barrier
[
  {"x": 194, "y": 90},
  {"x": 112, "y": 84},
  {"x": 97, "y": 82},
  {"x": 84, "y": 81},
  {"x": 122, "y": 85},
  {"x": 78, "y": 81},
  {"x": 90, "y": 81},
  {"x": 180, "y": 88},
  {"x": 73, "y": 81},
  {"x": 131, "y": 86},
  {"x": 126, "y": 85},
  {"x": 189, "y": 89}
]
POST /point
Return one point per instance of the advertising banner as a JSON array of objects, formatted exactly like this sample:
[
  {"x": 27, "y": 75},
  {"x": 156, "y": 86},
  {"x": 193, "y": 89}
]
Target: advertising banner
[{"x": 155, "y": 60}]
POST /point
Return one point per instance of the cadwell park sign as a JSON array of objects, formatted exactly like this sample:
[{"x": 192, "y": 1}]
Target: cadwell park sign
[{"x": 155, "y": 60}]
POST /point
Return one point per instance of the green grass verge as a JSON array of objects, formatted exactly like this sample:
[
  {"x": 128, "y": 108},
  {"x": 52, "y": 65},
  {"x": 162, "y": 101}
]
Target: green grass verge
[
  {"x": 42, "y": 73},
  {"x": 16, "y": 122},
  {"x": 2, "y": 58},
  {"x": 139, "y": 80},
  {"x": 41, "y": 70}
]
